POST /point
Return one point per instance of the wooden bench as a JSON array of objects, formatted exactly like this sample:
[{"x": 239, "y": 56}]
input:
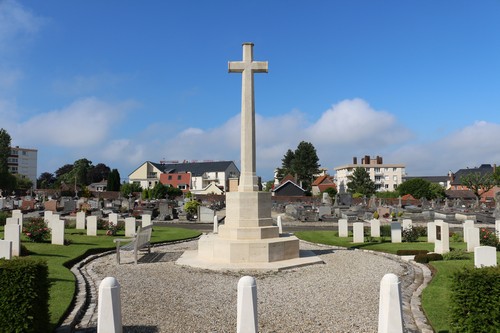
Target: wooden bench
[{"x": 140, "y": 241}]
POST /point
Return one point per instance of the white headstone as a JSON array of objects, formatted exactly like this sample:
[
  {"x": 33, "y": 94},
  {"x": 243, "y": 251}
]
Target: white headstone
[
  {"x": 146, "y": 220},
  {"x": 12, "y": 220},
  {"x": 247, "y": 321},
  {"x": 280, "y": 224},
  {"x": 5, "y": 249},
  {"x": 358, "y": 232},
  {"x": 109, "y": 308},
  {"x": 375, "y": 228},
  {"x": 390, "y": 311},
  {"x": 80, "y": 220},
  {"x": 467, "y": 224},
  {"x": 395, "y": 232},
  {"x": 497, "y": 227},
  {"x": 216, "y": 224},
  {"x": 91, "y": 225},
  {"x": 485, "y": 256},
  {"x": 442, "y": 243},
  {"x": 57, "y": 232},
  {"x": 53, "y": 217},
  {"x": 47, "y": 216},
  {"x": 472, "y": 238},
  {"x": 431, "y": 232},
  {"x": 343, "y": 228},
  {"x": 12, "y": 232},
  {"x": 130, "y": 227},
  {"x": 17, "y": 213},
  {"x": 407, "y": 224},
  {"x": 113, "y": 219}
]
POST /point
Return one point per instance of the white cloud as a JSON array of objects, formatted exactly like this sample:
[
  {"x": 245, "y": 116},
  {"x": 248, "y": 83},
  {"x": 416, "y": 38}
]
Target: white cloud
[
  {"x": 86, "y": 122},
  {"x": 9, "y": 78},
  {"x": 86, "y": 84},
  {"x": 16, "y": 24}
]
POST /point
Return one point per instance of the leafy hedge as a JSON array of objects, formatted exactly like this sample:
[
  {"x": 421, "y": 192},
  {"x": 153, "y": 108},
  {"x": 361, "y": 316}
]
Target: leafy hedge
[
  {"x": 475, "y": 300},
  {"x": 425, "y": 258},
  {"x": 24, "y": 295}
]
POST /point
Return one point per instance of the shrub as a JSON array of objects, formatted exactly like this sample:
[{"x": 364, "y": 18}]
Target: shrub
[
  {"x": 488, "y": 238},
  {"x": 409, "y": 235},
  {"x": 3, "y": 218},
  {"x": 420, "y": 230},
  {"x": 456, "y": 254},
  {"x": 475, "y": 305},
  {"x": 385, "y": 230},
  {"x": 36, "y": 230},
  {"x": 425, "y": 258},
  {"x": 456, "y": 238},
  {"x": 24, "y": 295}
]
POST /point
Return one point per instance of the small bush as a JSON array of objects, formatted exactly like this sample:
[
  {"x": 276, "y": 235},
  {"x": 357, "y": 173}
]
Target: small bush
[
  {"x": 420, "y": 230},
  {"x": 488, "y": 238},
  {"x": 456, "y": 254},
  {"x": 385, "y": 230},
  {"x": 457, "y": 238},
  {"x": 409, "y": 235},
  {"x": 425, "y": 258},
  {"x": 36, "y": 230},
  {"x": 411, "y": 252},
  {"x": 474, "y": 301},
  {"x": 3, "y": 218}
]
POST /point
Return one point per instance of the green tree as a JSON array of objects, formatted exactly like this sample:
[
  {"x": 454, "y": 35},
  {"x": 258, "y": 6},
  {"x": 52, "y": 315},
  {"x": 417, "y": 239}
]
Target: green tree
[
  {"x": 305, "y": 164},
  {"x": 360, "y": 182},
  {"x": 478, "y": 183},
  {"x": 173, "y": 192},
  {"x": 23, "y": 183},
  {"x": 437, "y": 191},
  {"x": 4, "y": 151},
  {"x": 191, "y": 208},
  {"x": 130, "y": 188},
  {"x": 159, "y": 191},
  {"x": 417, "y": 187},
  {"x": 46, "y": 180},
  {"x": 269, "y": 185},
  {"x": 98, "y": 173},
  {"x": 113, "y": 181},
  {"x": 332, "y": 192},
  {"x": 286, "y": 165}
]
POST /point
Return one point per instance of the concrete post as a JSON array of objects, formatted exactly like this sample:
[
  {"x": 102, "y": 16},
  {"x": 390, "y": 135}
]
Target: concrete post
[
  {"x": 109, "y": 309},
  {"x": 247, "y": 306},
  {"x": 280, "y": 224},
  {"x": 216, "y": 224},
  {"x": 390, "y": 312}
]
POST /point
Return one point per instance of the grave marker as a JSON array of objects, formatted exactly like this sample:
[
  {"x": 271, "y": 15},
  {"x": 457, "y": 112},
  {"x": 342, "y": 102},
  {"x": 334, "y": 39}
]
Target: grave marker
[
  {"x": 130, "y": 227},
  {"x": 113, "y": 219},
  {"x": 343, "y": 228},
  {"x": 92, "y": 225},
  {"x": 442, "y": 242},
  {"x": 467, "y": 224},
  {"x": 395, "y": 232},
  {"x": 497, "y": 227},
  {"x": 12, "y": 232},
  {"x": 375, "y": 228},
  {"x": 19, "y": 215},
  {"x": 5, "y": 249},
  {"x": 57, "y": 232},
  {"x": 12, "y": 220},
  {"x": 146, "y": 220},
  {"x": 358, "y": 232},
  {"x": 485, "y": 256},
  {"x": 472, "y": 238},
  {"x": 80, "y": 220},
  {"x": 407, "y": 224},
  {"x": 431, "y": 232}
]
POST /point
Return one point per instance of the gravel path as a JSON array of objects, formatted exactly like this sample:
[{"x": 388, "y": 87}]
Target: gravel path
[{"x": 158, "y": 296}]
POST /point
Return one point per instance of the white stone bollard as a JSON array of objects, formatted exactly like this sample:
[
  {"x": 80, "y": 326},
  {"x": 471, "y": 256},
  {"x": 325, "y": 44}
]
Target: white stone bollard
[
  {"x": 358, "y": 232},
  {"x": 396, "y": 232},
  {"x": 375, "y": 228},
  {"x": 390, "y": 312},
  {"x": 130, "y": 227},
  {"x": 146, "y": 220},
  {"x": 247, "y": 306},
  {"x": 12, "y": 232},
  {"x": 485, "y": 256},
  {"x": 472, "y": 238},
  {"x": 343, "y": 228},
  {"x": 109, "y": 309},
  {"x": 280, "y": 224},
  {"x": 5, "y": 249},
  {"x": 57, "y": 232},
  {"x": 431, "y": 232},
  {"x": 91, "y": 225},
  {"x": 216, "y": 224},
  {"x": 80, "y": 220}
]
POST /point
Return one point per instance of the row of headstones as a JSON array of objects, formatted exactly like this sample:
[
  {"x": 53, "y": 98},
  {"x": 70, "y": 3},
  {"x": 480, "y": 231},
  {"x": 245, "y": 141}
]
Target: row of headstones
[
  {"x": 390, "y": 315},
  {"x": 10, "y": 246},
  {"x": 437, "y": 233}
]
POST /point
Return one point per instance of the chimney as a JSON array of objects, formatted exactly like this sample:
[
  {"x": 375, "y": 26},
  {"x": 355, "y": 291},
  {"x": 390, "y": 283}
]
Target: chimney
[
  {"x": 379, "y": 159},
  {"x": 367, "y": 159},
  {"x": 354, "y": 160}
]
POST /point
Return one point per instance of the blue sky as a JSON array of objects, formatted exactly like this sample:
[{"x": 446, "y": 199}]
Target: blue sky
[{"x": 123, "y": 82}]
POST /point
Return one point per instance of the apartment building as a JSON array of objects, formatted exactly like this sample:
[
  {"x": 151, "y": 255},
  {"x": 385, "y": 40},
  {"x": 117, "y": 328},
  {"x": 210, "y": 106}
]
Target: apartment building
[
  {"x": 23, "y": 161},
  {"x": 387, "y": 177}
]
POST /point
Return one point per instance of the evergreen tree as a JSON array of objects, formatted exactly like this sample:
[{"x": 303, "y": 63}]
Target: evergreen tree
[
  {"x": 113, "y": 180},
  {"x": 417, "y": 187},
  {"x": 305, "y": 164},
  {"x": 4, "y": 151},
  {"x": 46, "y": 180},
  {"x": 360, "y": 182}
]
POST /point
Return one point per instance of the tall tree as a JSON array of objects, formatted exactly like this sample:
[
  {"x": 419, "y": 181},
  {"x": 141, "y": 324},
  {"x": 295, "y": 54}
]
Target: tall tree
[
  {"x": 305, "y": 164},
  {"x": 286, "y": 164},
  {"x": 360, "y": 182},
  {"x": 416, "y": 187},
  {"x": 478, "y": 183},
  {"x": 98, "y": 173},
  {"x": 63, "y": 170},
  {"x": 113, "y": 181},
  {"x": 46, "y": 180},
  {"x": 4, "y": 151}
]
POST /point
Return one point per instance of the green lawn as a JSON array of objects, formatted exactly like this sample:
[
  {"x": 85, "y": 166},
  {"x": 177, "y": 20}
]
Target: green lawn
[
  {"x": 80, "y": 245},
  {"x": 435, "y": 298}
]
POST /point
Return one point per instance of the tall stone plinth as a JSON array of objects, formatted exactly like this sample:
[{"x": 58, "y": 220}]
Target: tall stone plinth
[{"x": 248, "y": 234}]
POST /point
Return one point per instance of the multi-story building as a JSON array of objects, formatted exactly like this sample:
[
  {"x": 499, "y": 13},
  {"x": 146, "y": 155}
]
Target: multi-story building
[
  {"x": 188, "y": 176},
  {"x": 23, "y": 161},
  {"x": 386, "y": 177}
]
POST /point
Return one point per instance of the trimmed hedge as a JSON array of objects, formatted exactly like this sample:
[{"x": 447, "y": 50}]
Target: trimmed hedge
[
  {"x": 24, "y": 296},
  {"x": 475, "y": 300},
  {"x": 425, "y": 258},
  {"x": 410, "y": 252}
]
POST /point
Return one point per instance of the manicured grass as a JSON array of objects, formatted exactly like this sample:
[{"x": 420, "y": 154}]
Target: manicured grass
[
  {"x": 436, "y": 296},
  {"x": 80, "y": 245}
]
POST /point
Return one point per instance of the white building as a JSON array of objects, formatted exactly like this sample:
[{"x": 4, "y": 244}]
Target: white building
[
  {"x": 201, "y": 174},
  {"x": 387, "y": 177},
  {"x": 23, "y": 161}
]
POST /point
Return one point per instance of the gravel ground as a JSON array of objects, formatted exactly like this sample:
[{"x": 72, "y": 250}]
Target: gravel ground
[{"x": 158, "y": 296}]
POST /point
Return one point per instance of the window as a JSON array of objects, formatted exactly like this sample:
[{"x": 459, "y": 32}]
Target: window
[
  {"x": 387, "y": 186},
  {"x": 169, "y": 177},
  {"x": 394, "y": 169},
  {"x": 377, "y": 169},
  {"x": 181, "y": 187},
  {"x": 395, "y": 178},
  {"x": 179, "y": 177}
]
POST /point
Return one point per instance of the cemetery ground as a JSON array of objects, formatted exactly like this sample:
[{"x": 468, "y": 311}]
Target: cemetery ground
[
  {"x": 60, "y": 259},
  {"x": 436, "y": 296}
]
